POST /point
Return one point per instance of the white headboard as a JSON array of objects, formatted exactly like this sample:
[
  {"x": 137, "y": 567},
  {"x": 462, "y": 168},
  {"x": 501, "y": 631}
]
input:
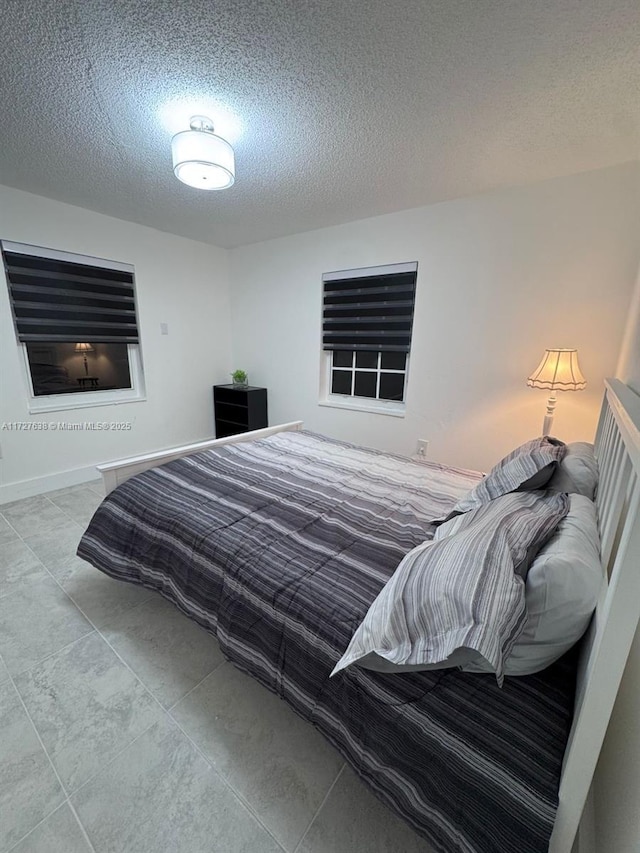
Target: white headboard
[{"x": 606, "y": 646}]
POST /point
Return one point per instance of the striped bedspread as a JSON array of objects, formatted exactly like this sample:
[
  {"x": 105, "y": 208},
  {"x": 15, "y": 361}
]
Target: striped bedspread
[{"x": 279, "y": 547}]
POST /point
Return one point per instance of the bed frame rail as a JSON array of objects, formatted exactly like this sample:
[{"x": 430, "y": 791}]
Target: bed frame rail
[
  {"x": 115, "y": 473},
  {"x": 607, "y": 643}
]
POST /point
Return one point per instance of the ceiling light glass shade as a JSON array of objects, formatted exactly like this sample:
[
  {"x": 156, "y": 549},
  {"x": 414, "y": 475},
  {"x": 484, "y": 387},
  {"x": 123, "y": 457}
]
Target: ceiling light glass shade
[
  {"x": 558, "y": 371},
  {"x": 201, "y": 159}
]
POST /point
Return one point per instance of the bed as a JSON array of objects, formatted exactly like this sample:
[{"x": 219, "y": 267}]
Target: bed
[
  {"x": 279, "y": 541},
  {"x": 52, "y": 379}
]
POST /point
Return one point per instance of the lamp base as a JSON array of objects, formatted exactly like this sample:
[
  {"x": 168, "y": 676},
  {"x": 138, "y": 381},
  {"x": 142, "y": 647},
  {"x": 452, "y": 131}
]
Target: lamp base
[{"x": 548, "y": 419}]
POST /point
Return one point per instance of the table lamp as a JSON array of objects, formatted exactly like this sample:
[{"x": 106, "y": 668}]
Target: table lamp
[
  {"x": 558, "y": 371},
  {"x": 84, "y": 349}
]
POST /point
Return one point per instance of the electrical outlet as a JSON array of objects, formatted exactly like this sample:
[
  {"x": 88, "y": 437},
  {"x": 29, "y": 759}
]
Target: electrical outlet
[{"x": 423, "y": 445}]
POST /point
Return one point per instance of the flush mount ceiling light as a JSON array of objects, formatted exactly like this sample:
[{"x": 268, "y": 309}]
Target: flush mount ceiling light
[{"x": 201, "y": 159}]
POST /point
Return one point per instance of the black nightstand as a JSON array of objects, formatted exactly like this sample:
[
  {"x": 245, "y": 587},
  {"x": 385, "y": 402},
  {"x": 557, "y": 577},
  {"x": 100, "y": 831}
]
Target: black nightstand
[{"x": 239, "y": 409}]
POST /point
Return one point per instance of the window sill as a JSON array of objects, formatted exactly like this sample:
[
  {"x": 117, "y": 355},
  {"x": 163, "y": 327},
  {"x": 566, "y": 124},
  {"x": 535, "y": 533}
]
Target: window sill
[
  {"x": 38, "y": 405},
  {"x": 353, "y": 405}
]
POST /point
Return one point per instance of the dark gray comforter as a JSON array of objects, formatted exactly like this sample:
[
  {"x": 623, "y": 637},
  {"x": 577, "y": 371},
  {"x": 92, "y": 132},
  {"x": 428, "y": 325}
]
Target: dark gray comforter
[{"x": 279, "y": 547}]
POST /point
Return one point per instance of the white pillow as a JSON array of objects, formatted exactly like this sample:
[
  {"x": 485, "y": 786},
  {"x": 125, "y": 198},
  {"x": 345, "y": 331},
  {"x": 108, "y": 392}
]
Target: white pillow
[
  {"x": 561, "y": 593},
  {"x": 577, "y": 472}
]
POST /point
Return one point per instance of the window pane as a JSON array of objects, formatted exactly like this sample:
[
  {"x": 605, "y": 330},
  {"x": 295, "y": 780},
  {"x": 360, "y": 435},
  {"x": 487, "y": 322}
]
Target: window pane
[
  {"x": 391, "y": 386},
  {"x": 342, "y": 358},
  {"x": 367, "y": 359},
  {"x": 365, "y": 384},
  {"x": 393, "y": 360},
  {"x": 341, "y": 381},
  {"x": 72, "y": 368}
]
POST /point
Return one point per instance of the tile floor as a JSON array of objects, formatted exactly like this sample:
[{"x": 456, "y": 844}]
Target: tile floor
[{"x": 124, "y": 730}]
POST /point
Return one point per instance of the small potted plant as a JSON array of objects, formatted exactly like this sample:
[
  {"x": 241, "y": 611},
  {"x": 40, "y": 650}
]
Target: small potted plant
[{"x": 240, "y": 378}]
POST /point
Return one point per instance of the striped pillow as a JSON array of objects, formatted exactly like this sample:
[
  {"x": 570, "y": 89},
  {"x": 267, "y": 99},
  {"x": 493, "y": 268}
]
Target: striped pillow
[
  {"x": 528, "y": 467},
  {"x": 460, "y": 592},
  {"x": 561, "y": 592}
]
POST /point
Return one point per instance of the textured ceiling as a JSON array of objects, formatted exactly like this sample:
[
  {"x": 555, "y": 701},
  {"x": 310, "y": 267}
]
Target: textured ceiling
[{"x": 337, "y": 109}]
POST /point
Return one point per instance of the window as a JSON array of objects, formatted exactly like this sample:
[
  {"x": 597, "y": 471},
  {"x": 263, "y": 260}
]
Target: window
[
  {"x": 76, "y": 323},
  {"x": 366, "y": 336},
  {"x": 377, "y": 375},
  {"x": 58, "y": 368}
]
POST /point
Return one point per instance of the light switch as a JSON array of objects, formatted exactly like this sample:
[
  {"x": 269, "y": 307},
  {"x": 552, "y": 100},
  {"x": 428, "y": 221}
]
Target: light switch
[{"x": 164, "y": 328}]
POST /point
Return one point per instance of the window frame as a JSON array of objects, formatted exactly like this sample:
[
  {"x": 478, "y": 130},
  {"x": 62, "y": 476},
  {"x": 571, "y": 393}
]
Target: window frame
[
  {"x": 373, "y": 405},
  {"x": 87, "y": 399}
]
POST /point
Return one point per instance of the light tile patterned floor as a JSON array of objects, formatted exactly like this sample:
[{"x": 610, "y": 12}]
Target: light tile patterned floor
[{"x": 124, "y": 730}]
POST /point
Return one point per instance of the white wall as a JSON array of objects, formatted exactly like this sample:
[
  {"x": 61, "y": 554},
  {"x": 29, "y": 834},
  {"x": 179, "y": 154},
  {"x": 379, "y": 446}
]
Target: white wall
[
  {"x": 501, "y": 276},
  {"x": 628, "y": 369},
  {"x": 180, "y": 282},
  {"x": 617, "y": 779}
]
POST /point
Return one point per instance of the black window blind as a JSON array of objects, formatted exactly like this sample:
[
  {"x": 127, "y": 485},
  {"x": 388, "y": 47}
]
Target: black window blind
[
  {"x": 369, "y": 309},
  {"x": 64, "y": 301}
]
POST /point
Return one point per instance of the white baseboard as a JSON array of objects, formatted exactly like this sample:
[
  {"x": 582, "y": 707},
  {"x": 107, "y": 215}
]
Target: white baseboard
[{"x": 39, "y": 485}]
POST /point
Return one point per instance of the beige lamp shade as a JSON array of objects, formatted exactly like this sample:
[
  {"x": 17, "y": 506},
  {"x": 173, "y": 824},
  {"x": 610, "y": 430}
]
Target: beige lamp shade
[{"x": 558, "y": 371}]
